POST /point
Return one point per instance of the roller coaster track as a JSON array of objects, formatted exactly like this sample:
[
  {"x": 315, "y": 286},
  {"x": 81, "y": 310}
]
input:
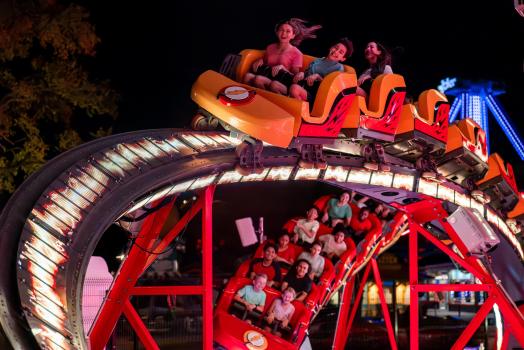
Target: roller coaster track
[{"x": 52, "y": 224}]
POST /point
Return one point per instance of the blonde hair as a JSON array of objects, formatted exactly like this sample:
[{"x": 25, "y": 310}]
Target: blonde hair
[{"x": 302, "y": 32}]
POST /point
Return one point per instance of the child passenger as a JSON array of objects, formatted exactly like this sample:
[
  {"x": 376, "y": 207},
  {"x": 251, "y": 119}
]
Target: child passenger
[
  {"x": 253, "y": 297},
  {"x": 298, "y": 279},
  {"x": 334, "y": 245},
  {"x": 281, "y": 60},
  {"x": 315, "y": 260},
  {"x": 280, "y": 312},
  {"x": 306, "y": 229},
  {"x": 267, "y": 265},
  {"x": 306, "y": 84}
]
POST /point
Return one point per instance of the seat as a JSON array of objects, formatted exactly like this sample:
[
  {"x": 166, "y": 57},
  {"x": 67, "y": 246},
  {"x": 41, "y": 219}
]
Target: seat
[
  {"x": 466, "y": 153},
  {"x": 378, "y": 118},
  {"x": 422, "y": 128},
  {"x": 500, "y": 184}
]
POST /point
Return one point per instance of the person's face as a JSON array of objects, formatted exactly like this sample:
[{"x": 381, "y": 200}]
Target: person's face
[
  {"x": 337, "y": 52},
  {"x": 285, "y": 33},
  {"x": 339, "y": 237},
  {"x": 379, "y": 208},
  {"x": 283, "y": 241},
  {"x": 364, "y": 215},
  {"x": 372, "y": 52},
  {"x": 315, "y": 249},
  {"x": 312, "y": 214},
  {"x": 287, "y": 297},
  {"x": 344, "y": 197},
  {"x": 259, "y": 283},
  {"x": 270, "y": 253},
  {"x": 302, "y": 269}
]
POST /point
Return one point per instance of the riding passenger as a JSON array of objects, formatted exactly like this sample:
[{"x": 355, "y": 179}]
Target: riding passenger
[
  {"x": 315, "y": 259},
  {"x": 252, "y": 297},
  {"x": 334, "y": 245},
  {"x": 379, "y": 60},
  {"x": 280, "y": 313},
  {"x": 267, "y": 265},
  {"x": 338, "y": 211},
  {"x": 306, "y": 84},
  {"x": 306, "y": 229},
  {"x": 361, "y": 224},
  {"x": 285, "y": 252},
  {"x": 282, "y": 60},
  {"x": 298, "y": 279}
]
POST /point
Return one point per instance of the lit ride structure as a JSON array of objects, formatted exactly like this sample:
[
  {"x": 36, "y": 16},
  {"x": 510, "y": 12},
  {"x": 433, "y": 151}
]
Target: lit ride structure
[{"x": 430, "y": 170}]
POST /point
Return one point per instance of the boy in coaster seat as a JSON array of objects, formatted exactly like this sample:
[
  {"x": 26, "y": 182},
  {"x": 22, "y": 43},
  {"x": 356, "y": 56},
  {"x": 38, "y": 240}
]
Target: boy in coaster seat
[
  {"x": 306, "y": 84},
  {"x": 251, "y": 298}
]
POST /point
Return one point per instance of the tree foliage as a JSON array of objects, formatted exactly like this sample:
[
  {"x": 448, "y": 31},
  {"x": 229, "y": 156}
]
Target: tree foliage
[{"x": 48, "y": 101}]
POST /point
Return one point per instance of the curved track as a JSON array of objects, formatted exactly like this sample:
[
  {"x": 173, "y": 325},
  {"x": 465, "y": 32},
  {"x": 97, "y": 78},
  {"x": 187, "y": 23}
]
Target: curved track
[{"x": 52, "y": 224}]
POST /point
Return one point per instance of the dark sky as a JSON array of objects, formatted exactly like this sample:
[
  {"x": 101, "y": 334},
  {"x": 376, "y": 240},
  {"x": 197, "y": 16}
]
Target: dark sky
[{"x": 153, "y": 51}]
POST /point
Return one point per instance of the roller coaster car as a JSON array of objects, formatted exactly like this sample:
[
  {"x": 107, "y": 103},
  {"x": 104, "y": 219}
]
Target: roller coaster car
[
  {"x": 466, "y": 155},
  {"x": 378, "y": 119},
  {"x": 499, "y": 183},
  {"x": 423, "y": 130},
  {"x": 232, "y": 333},
  {"x": 274, "y": 118}
]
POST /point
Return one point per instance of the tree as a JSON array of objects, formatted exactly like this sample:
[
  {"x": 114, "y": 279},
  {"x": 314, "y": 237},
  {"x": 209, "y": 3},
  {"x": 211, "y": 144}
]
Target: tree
[{"x": 48, "y": 101}]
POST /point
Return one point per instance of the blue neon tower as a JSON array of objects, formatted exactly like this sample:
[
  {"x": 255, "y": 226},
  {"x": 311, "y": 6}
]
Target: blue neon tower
[{"x": 473, "y": 100}]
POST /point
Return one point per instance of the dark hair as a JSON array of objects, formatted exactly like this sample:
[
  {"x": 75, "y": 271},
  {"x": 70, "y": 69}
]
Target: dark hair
[
  {"x": 383, "y": 60},
  {"x": 339, "y": 228},
  {"x": 283, "y": 233},
  {"x": 365, "y": 209},
  {"x": 270, "y": 245},
  {"x": 348, "y": 44},
  {"x": 317, "y": 242},
  {"x": 299, "y": 28},
  {"x": 301, "y": 261}
]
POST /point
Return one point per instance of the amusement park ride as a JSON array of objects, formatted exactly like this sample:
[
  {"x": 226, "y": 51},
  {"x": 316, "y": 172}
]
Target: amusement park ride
[{"x": 438, "y": 178}]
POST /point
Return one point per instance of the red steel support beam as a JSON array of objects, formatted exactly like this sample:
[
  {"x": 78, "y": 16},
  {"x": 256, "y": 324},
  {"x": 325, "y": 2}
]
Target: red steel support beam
[
  {"x": 126, "y": 278},
  {"x": 357, "y": 300},
  {"x": 167, "y": 290},
  {"x": 413, "y": 282},
  {"x": 340, "y": 336},
  {"x": 505, "y": 338},
  {"x": 175, "y": 231},
  {"x": 207, "y": 267},
  {"x": 139, "y": 327},
  {"x": 445, "y": 249},
  {"x": 484, "y": 310},
  {"x": 384, "y": 304}
]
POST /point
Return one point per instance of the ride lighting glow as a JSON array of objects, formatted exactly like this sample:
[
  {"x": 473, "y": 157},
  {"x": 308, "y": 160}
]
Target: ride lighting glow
[
  {"x": 203, "y": 182},
  {"x": 428, "y": 188},
  {"x": 404, "y": 182},
  {"x": 446, "y": 194},
  {"x": 379, "y": 178},
  {"x": 462, "y": 200},
  {"x": 255, "y": 177},
  {"x": 359, "y": 176},
  {"x": 230, "y": 177},
  {"x": 336, "y": 173},
  {"x": 307, "y": 174},
  {"x": 279, "y": 173}
]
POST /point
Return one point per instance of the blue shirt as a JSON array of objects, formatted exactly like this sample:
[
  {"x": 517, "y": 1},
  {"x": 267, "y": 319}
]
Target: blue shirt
[
  {"x": 256, "y": 298},
  {"x": 323, "y": 67}
]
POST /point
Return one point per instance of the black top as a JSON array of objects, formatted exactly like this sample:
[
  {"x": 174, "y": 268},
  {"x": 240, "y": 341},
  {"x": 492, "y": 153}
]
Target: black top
[{"x": 298, "y": 284}]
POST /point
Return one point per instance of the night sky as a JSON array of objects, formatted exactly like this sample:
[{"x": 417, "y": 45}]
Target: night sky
[{"x": 153, "y": 51}]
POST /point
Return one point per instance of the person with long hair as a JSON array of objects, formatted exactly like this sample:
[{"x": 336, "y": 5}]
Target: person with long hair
[
  {"x": 282, "y": 60},
  {"x": 379, "y": 59}
]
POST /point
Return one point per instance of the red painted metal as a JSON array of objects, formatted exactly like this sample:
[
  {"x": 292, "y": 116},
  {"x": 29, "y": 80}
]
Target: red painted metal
[
  {"x": 357, "y": 300},
  {"x": 384, "y": 305},
  {"x": 139, "y": 327},
  {"x": 207, "y": 267},
  {"x": 413, "y": 282},
  {"x": 340, "y": 336},
  {"x": 505, "y": 337},
  {"x": 484, "y": 310},
  {"x": 175, "y": 231},
  {"x": 129, "y": 273},
  {"x": 167, "y": 290}
]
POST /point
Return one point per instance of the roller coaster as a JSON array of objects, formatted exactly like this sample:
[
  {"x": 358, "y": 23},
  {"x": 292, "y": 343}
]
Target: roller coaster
[{"x": 402, "y": 154}]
